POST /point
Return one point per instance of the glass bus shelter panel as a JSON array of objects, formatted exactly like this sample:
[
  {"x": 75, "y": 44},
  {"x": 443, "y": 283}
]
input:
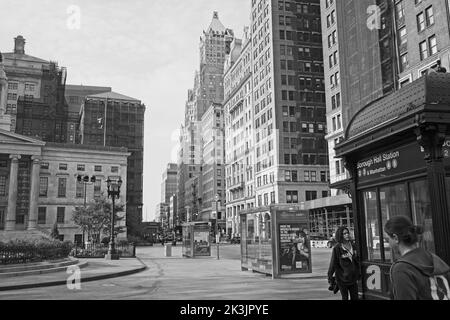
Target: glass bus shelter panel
[
  {"x": 370, "y": 204},
  {"x": 202, "y": 246},
  {"x": 187, "y": 244},
  {"x": 256, "y": 242},
  {"x": 421, "y": 212},
  {"x": 447, "y": 183}
]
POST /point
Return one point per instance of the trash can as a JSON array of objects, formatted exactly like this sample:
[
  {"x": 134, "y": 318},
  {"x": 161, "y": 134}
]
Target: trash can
[{"x": 168, "y": 250}]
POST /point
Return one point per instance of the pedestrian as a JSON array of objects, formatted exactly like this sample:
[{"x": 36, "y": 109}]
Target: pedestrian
[
  {"x": 344, "y": 265},
  {"x": 417, "y": 274}
]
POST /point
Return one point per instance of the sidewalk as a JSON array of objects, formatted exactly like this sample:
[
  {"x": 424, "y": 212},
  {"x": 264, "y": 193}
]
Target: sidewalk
[
  {"x": 93, "y": 269},
  {"x": 320, "y": 262}
]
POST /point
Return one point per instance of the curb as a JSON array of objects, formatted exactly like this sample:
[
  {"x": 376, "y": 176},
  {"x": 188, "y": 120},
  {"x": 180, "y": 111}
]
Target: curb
[{"x": 87, "y": 279}]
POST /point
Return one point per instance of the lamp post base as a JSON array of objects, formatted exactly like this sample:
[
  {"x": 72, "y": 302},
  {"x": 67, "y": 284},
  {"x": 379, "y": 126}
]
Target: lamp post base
[{"x": 111, "y": 256}]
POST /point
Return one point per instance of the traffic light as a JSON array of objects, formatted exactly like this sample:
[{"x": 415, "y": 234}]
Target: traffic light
[
  {"x": 93, "y": 179},
  {"x": 86, "y": 178},
  {"x": 79, "y": 178}
]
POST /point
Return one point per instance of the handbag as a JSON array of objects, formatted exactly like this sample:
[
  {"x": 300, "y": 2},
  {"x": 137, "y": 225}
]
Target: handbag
[{"x": 333, "y": 285}]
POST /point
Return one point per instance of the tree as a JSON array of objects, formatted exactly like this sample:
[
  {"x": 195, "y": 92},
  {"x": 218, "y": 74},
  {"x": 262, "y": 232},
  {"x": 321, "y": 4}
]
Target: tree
[
  {"x": 55, "y": 233},
  {"x": 95, "y": 218}
]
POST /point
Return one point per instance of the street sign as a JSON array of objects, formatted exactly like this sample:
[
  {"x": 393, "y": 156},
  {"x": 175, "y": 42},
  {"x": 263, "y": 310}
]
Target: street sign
[{"x": 213, "y": 215}]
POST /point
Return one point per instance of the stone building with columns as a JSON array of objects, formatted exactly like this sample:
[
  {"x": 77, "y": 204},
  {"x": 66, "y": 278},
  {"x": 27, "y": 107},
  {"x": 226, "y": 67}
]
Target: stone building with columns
[{"x": 38, "y": 183}]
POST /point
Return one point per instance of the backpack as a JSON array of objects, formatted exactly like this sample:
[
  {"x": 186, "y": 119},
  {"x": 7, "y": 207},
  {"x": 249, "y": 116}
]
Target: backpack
[{"x": 439, "y": 284}]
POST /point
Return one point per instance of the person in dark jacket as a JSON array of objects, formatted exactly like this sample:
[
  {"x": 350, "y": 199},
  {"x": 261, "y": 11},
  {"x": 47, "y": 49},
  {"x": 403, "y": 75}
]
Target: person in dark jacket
[
  {"x": 418, "y": 274},
  {"x": 345, "y": 265}
]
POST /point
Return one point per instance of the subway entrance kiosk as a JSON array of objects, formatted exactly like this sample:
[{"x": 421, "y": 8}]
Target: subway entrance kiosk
[
  {"x": 397, "y": 152},
  {"x": 275, "y": 240}
]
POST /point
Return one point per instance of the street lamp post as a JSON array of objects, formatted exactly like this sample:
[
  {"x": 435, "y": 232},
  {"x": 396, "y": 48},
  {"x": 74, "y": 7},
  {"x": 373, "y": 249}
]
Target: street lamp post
[
  {"x": 85, "y": 180},
  {"x": 113, "y": 192},
  {"x": 217, "y": 233}
]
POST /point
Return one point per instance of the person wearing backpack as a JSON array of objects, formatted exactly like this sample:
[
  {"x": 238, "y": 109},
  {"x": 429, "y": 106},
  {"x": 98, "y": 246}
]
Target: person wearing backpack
[{"x": 418, "y": 274}]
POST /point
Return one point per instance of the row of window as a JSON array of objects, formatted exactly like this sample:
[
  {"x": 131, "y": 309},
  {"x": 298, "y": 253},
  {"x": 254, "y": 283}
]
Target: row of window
[
  {"x": 62, "y": 188},
  {"x": 309, "y": 176},
  {"x": 60, "y": 215},
  {"x": 80, "y": 167}
]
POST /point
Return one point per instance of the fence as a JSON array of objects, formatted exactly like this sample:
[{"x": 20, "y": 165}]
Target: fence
[{"x": 99, "y": 250}]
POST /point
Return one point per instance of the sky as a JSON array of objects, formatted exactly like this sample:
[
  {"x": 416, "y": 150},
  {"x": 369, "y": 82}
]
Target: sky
[{"x": 145, "y": 49}]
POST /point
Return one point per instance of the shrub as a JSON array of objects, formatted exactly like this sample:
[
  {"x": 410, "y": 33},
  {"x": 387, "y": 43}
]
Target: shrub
[{"x": 23, "y": 251}]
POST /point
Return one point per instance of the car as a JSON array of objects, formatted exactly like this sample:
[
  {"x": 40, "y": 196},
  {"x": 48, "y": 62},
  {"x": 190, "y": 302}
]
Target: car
[{"x": 235, "y": 240}]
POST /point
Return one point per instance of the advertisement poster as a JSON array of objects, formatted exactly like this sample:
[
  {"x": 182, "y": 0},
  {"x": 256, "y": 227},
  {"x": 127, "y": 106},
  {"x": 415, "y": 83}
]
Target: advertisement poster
[{"x": 295, "y": 249}]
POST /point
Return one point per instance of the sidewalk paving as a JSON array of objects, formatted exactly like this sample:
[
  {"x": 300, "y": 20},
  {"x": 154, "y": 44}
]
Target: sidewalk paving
[{"x": 96, "y": 269}]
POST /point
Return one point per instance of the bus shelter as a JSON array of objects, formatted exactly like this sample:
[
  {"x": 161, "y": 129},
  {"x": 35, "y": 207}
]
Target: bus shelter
[
  {"x": 275, "y": 240},
  {"x": 397, "y": 153},
  {"x": 196, "y": 239}
]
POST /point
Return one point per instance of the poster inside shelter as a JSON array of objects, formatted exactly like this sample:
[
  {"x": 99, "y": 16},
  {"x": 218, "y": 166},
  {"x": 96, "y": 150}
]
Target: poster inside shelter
[{"x": 295, "y": 249}]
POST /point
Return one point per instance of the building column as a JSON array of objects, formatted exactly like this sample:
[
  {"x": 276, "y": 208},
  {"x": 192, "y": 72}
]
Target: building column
[
  {"x": 34, "y": 194},
  {"x": 10, "y": 224},
  {"x": 432, "y": 138}
]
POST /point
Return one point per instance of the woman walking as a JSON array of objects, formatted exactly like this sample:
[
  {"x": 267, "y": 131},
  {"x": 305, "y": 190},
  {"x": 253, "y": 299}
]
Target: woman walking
[
  {"x": 418, "y": 274},
  {"x": 345, "y": 265}
]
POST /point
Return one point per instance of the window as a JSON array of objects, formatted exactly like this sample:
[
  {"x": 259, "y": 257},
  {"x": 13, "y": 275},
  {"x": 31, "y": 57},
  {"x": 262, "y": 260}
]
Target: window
[
  {"x": 62, "y": 187},
  {"x": 287, "y": 175},
  {"x": 80, "y": 167},
  {"x": 291, "y": 196},
  {"x": 42, "y": 215},
  {"x": 2, "y": 185},
  {"x": 79, "y": 193},
  {"x": 306, "y": 176},
  {"x": 60, "y": 213},
  {"x": 420, "y": 22},
  {"x": 310, "y": 195},
  {"x": 429, "y": 15},
  {"x": 433, "y": 45},
  {"x": 43, "y": 186},
  {"x": 63, "y": 166},
  {"x": 44, "y": 165},
  {"x": 114, "y": 169},
  {"x": 403, "y": 36},
  {"x": 97, "y": 188},
  {"x": 98, "y": 168},
  {"x": 325, "y": 194},
  {"x": 272, "y": 197},
  {"x": 423, "y": 50},
  {"x": 404, "y": 62}
]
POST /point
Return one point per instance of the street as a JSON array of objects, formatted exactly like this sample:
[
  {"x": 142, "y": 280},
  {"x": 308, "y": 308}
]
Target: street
[{"x": 206, "y": 278}]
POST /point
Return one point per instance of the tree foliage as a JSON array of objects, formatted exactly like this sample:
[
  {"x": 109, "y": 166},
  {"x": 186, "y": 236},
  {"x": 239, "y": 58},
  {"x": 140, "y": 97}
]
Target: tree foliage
[
  {"x": 95, "y": 218},
  {"x": 55, "y": 233}
]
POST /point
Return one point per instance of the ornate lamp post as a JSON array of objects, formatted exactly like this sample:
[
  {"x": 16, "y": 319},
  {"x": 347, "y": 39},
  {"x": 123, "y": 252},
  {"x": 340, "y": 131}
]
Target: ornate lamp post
[
  {"x": 217, "y": 233},
  {"x": 113, "y": 192},
  {"x": 85, "y": 180}
]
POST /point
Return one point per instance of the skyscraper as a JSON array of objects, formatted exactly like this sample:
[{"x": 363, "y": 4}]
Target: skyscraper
[{"x": 115, "y": 120}]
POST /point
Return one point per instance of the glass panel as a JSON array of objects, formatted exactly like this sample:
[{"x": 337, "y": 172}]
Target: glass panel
[
  {"x": 393, "y": 202},
  {"x": 372, "y": 225},
  {"x": 447, "y": 182},
  {"x": 421, "y": 212}
]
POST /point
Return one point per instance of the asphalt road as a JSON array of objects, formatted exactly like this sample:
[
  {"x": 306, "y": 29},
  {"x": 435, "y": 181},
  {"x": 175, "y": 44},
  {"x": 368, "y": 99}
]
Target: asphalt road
[{"x": 178, "y": 278}]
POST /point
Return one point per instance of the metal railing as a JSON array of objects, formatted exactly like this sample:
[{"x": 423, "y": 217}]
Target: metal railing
[{"x": 99, "y": 250}]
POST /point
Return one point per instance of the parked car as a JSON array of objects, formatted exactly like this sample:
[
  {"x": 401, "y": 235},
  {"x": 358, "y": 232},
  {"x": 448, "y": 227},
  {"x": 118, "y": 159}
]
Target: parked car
[{"x": 235, "y": 240}]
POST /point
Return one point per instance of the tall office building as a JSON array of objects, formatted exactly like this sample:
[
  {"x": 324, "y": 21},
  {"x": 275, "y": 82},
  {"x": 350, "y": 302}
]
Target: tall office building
[
  {"x": 369, "y": 56},
  {"x": 75, "y": 96},
  {"x": 112, "y": 119},
  {"x": 35, "y": 95},
  {"x": 208, "y": 90},
  {"x": 289, "y": 162},
  {"x": 214, "y": 46},
  {"x": 213, "y": 169},
  {"x": 371, "y": 49},
  {"x": 239, "y": 121},
  {"x": 169, "y": 182}
]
